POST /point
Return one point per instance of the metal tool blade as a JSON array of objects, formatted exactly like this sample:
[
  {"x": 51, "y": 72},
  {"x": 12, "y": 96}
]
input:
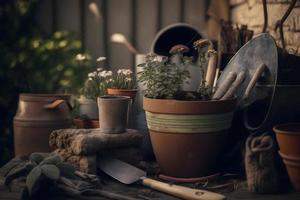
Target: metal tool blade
[{"x": 120, "y": 170}]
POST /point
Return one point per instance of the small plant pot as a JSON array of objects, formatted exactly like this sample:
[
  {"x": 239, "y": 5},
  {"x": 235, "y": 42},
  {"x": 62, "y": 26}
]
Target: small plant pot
[
  {"x": 88, "y": 108},
  {"x": 86, "y": 123},
  {"x": 113, "y": 113},
  {"x": 188, "y": 136},
  {"x": 292, "y": 165},
  {"x": 288, "y": 138}
]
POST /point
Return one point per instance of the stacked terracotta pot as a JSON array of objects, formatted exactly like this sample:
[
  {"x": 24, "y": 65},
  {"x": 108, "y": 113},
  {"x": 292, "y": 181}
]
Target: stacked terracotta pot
[{"x": 288, "y": 137}]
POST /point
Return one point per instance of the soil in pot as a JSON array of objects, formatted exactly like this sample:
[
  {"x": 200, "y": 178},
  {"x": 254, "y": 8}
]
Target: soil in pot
[
  {"x": 188, "y": 136},
  {"x": 288, "y": 138}
]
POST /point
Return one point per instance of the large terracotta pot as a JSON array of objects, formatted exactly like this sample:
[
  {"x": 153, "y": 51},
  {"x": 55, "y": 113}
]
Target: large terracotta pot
[
  {"x": 188, "y": 136},
  {"x": 292, "y": 165},
  {"x": 37, "y": 116},
  {"x": 288, "y": 138}
]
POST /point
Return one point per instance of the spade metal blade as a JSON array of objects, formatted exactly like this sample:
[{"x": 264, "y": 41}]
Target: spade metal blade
[{"x": 121, "y": 171}]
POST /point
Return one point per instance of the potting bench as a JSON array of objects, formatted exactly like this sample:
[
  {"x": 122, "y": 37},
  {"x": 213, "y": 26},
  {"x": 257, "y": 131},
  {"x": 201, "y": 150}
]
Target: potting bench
[{"x": 139, "y": 192}]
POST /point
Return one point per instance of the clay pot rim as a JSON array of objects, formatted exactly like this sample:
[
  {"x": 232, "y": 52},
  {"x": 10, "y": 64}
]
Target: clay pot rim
[
  {"x": 111, "y": 97},
  {"x": 78, "y": 119},
  {"x": 43, "y": 97},
  {"x": 291, "y": 163},
  {"x": 194, "y": 101},
  {"x": 173, "y": 106},
  {"x": 281, "y": 128},
  {"x": 293, "y": 159},
  {"x": 124, "y": 90}
]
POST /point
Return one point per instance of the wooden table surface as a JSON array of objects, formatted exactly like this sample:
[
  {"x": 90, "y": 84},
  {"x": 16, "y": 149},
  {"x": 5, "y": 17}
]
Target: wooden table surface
[{"x": 139, "y": 192}]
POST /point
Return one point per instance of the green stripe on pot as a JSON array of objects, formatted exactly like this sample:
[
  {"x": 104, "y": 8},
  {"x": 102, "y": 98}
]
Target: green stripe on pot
[{"x": 204, "y": 123}]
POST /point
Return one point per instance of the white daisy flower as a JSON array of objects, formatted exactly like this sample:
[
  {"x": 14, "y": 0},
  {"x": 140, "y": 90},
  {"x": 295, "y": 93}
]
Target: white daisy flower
[
  {"x": 101, "y": 58},
  {"x": 80, "y": 57}
]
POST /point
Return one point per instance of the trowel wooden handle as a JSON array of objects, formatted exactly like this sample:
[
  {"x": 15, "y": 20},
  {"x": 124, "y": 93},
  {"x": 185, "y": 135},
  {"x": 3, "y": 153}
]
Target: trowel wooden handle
[
  {"x": 257, "y": 74},
  {"x": 211, "y": 68},
  {"x": 182, "y": 192}
]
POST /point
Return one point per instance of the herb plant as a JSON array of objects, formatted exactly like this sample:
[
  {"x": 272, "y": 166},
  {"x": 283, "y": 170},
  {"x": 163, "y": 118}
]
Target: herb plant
[{"x": 162, "y": 78}]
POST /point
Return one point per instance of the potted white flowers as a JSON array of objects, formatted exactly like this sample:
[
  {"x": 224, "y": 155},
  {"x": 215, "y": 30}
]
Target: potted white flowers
[
  {"x": 122, "y": 84},
  {"x": 94, "y": 87}
]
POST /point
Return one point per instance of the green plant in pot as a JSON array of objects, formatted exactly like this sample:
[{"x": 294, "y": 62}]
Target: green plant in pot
[
  {"x": 94, "y": 87},
  {"x": 187, "y": 128}
]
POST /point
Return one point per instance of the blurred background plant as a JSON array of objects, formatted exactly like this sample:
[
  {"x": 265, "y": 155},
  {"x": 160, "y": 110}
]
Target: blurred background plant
[{"x": 34, "y": 62}]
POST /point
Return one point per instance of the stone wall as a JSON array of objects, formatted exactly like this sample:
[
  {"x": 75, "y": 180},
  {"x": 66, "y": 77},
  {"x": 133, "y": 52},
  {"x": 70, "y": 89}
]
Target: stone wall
[{"x": 250, "y": 12}]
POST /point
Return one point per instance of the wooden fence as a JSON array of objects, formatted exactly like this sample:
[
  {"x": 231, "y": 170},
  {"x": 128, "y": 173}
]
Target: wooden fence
[{"x": 93, "y": 21}]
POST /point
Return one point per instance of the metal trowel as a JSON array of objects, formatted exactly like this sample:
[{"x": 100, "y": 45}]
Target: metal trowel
[{"x": 129, "y": 174}]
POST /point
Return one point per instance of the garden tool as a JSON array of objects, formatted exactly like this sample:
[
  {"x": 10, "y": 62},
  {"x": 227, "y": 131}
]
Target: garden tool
[{"x": 128, "y": 174}]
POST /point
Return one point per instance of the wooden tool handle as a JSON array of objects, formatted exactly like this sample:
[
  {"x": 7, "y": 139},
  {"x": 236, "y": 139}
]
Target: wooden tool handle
[
  {"x": 257, "y": 74},
  {"x": 182, "y": 192},
  {"x": 222, "y": 89},
  {"x": 235, "y": 85},
  {"x": 211, "y": 68}
]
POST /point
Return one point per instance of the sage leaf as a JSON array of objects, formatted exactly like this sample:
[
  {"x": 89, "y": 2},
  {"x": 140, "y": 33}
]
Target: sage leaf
[
  {"x": 50, "y": 171},
  {"x": 32, "y": 179},
  {"x": 54, "y": 160}
]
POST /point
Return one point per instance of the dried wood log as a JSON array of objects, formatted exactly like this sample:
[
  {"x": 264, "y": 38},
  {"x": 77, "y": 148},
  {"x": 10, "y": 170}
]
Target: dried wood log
[
  {"x": 88, "y": 163},
  {"x": 91, "y": 141}
]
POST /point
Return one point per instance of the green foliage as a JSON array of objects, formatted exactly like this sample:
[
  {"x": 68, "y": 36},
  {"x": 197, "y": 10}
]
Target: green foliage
[
  {"x": 50, "y": 171},
  {"x": 33, "y": 61},
  {"x": 32, "y": 179},
  {"x": 162, "y": 78}
]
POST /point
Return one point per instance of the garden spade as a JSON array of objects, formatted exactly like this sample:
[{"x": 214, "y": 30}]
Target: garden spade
[{"x": 129, "y": 174}]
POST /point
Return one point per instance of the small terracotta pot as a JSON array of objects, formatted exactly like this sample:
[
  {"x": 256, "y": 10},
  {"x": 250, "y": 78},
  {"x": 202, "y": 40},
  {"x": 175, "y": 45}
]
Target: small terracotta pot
[
  {"x": 292, "y": 165},
  {"x": 113, "y": 113},
  {"x": 188, "y": 136},
  {"x": 122, "y": 92},
  {"x": 288, "y": 138},
  {"x": 86, "y": 123}
]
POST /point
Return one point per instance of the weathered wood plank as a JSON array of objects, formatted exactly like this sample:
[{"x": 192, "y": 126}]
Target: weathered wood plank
[
  {"x": 171, "y": 12},
  {"x": 44, "y": 15},
  {"x": 68, "y": 16},
  {"x": 195, "y": 13},
  {"x": 119, "y": 21},
  {"x": 94, "y": 28},
  {"x": 146, "y": 24}
]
